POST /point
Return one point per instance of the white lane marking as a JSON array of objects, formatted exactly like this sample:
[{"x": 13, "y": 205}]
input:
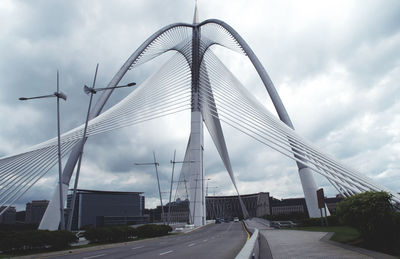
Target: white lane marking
[
  {"x": 192, "y": 244},
  {"x": 205, "y": 240},
  {"x": 170, "y": 251},
  {"x": 133, "y": 248},
  {"x": 94, "y": 256}
]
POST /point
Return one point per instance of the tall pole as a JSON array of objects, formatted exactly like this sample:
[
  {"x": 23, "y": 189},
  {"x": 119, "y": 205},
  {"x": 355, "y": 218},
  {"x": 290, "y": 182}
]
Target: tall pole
[
  {"x": 73, "y": 200},
  {"x": 62, "y": 223},
  {"x": 170, "y": 191},
  {"x": 159, "y": 188}
]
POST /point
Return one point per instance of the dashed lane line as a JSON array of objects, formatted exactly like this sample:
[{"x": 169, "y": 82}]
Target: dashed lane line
[
  {"x": 133, "y": 248},
  {"x": 170, "y": 251},
  {"x": 93, "y": 256}
]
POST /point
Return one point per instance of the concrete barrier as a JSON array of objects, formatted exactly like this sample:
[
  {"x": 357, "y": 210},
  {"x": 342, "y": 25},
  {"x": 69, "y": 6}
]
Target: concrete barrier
[{"x": 251, "y": 248}]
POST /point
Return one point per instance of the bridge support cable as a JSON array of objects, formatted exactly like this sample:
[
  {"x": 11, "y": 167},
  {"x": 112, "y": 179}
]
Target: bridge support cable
[
  {"x": 182, "y": 193},
  {"x": 289, "y": 150},
  {"x": 166, "y": 92},
  {"x": 214, "y": 128},
  {"x": 240, "y": 110}
]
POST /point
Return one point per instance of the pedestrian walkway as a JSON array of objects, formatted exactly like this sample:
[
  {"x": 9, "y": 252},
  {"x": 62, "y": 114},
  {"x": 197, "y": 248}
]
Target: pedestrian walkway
[{"x": 305, "y": 244}]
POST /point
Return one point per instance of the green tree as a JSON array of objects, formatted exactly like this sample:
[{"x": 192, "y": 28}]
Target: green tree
[{"x": 372, "y": 213}]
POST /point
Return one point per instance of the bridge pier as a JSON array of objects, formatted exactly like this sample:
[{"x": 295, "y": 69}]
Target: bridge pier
[{"x": 196, "y": 171}]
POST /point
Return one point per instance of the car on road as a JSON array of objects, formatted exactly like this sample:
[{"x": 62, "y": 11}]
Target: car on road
[
  {"x": 282, "y": 224},
  {"x": 275, "y": 224},
  {"x": 217, "y": 221},
  {"x": 235, "y": 219},
  {"x": 287, "y": 224}
]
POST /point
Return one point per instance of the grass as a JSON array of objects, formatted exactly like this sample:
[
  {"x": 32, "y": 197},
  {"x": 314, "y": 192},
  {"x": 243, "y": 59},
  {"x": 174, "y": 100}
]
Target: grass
[{"x": 342, "y": 234}]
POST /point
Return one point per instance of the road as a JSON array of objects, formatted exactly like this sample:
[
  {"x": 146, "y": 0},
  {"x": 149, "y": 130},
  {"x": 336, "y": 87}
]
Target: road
[{"x": 212, "y": 241}]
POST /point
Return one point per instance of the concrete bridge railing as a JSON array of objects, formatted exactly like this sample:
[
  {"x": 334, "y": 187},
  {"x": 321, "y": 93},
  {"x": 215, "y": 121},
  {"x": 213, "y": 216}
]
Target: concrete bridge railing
[{"x": 251, "y": 248}]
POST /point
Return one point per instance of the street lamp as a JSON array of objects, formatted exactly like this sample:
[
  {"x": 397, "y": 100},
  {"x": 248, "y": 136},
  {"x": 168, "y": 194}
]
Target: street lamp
[
  {"x": 173, "y": 162},
  {"x": 156, "y": 164},
  {"x": 58, "y": 95},
  {"x": 91, "y": 91}
]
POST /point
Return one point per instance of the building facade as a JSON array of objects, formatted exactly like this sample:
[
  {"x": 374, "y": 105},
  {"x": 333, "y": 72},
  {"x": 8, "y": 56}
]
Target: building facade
[
  {"x": 257, "y": 205},
  {"x": 35, "y": 210},
  {"x": 288, "y": 206},
  {"x": 104, "y": 208}
]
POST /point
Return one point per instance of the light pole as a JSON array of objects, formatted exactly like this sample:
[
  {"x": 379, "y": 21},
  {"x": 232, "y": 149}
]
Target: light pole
[
  {"x": 173, "y": 162},
  {"x": 156, "y": 164},
  {"x": 58, "y": 95},
  {"x": 90, "y": 91}
]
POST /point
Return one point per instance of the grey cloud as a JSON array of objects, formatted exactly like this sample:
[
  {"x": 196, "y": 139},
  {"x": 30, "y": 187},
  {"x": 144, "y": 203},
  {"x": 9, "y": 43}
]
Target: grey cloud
[{"x": 73, "y": 36}]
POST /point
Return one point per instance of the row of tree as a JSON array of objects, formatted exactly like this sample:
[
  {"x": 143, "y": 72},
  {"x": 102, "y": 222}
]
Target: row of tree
[{"x": 37, "y": 240}]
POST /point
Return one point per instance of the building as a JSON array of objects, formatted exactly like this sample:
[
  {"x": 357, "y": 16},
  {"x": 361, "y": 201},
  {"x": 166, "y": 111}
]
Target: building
[
  {"x": 298, "y": 205},
  {"x": 288, "y": 206},
  {"x": 8, "y": 217},
  {"x": 257, "y": 205},
  {"x": 35, "y": 210},
  {"x": 179, "y": 211},
  {"x": 216, "y": 207},
  {"x": 104, "y": 208}
]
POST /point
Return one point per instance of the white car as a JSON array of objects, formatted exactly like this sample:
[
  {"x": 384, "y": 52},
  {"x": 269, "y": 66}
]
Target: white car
[{"x": 235, "y": 219}]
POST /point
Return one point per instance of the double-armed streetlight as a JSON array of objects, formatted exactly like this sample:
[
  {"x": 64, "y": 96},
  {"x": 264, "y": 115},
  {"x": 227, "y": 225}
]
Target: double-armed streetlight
[
  {"x": 156, "y": 164},
  {"x": 58, "y": 95},
  {"x": 91, "y": 91}
]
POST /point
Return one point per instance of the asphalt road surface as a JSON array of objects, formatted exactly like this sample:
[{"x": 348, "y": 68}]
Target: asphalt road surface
[{"x": 220, "y": 241}]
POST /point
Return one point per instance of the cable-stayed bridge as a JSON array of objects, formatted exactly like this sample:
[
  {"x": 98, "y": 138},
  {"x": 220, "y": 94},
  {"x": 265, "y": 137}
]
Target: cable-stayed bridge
[{"x": 194, "y": 79}]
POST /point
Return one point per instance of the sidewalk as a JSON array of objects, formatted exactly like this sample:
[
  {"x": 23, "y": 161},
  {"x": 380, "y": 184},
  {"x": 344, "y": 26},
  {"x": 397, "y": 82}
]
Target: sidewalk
[
  {"x": 304, "y": 244},
  {"x": 307, "y": 244}
]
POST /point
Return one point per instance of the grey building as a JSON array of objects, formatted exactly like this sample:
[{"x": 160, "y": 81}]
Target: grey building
[
  {"x": 257, "y": 205},
  {"x": 102, "y": 208},
  {"x": 288, "y": 206},
  {"x": 8, "y": 217},
  {"x": 179, "y": 211},
  {"x": 35, "y": 210}
]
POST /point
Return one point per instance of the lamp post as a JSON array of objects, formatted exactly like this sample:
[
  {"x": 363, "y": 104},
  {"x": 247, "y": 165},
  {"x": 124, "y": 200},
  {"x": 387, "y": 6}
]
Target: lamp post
[
  {"x": 58, "y": 95},
  {"x": 156, "y": 164},
  {"x": 173, "y": 162},
  {"x": 91, "y": 91}
]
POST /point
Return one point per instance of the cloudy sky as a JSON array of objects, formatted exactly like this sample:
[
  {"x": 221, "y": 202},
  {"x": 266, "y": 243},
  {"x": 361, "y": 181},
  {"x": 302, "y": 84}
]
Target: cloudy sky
[{"x": 336, "y": 65}]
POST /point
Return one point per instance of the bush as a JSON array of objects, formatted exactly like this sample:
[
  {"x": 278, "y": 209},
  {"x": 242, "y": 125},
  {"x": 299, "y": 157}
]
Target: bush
[
  {"x": 61, "y": 239},
  {"x": 110, "y": 234},
  {"x": 373, "y": 215},
  {"x": 152, "y": 230},
  {"x": 310, "y": 222},
  {"x": 333, "y": 220},
  {"x": 35, "y": 239}
]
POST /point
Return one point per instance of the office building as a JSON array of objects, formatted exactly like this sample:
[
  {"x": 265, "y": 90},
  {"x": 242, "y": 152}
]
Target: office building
[{"x": 103, "y": 208}]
